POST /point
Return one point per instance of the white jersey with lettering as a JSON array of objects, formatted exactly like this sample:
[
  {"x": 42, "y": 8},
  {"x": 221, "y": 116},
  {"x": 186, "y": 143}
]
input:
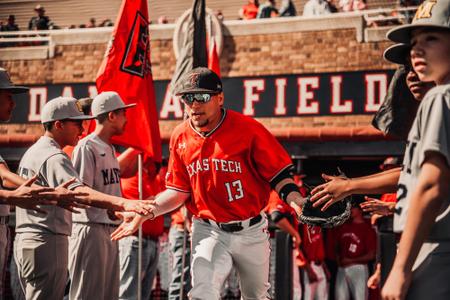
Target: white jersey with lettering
[
  {"x": 53, "y": 167},
  {"x": 99, "y": 169},
  {"x": 430, "y": 132}
]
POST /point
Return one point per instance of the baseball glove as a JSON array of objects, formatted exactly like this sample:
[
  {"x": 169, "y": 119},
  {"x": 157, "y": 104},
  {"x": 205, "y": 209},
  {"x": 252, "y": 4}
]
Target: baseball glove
[{"x": 333, "y": 216}]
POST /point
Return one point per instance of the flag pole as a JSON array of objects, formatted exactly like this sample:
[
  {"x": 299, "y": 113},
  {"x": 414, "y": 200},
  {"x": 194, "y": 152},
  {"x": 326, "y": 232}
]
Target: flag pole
[{"x": 139, "y": 297}]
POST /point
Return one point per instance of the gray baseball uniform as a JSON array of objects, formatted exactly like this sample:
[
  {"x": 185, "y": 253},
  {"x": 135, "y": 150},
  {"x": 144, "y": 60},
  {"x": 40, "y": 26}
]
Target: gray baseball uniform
[
  {"x": 94, "y": 258},
  {"x": 4, "y": 240},
  {"x": 430, "y": 132},
  {"x": 41, "y": 244}
]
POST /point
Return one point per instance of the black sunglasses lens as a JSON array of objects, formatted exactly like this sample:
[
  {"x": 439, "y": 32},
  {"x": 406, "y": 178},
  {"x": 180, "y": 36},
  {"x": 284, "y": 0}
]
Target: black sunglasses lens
[{"x": 201, "y": 98}]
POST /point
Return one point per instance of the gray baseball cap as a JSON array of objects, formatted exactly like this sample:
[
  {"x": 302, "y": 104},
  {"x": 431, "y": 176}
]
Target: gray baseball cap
[
  {"x": 63, "y": 108},
  {"x": 430, "y": 14},
  {"x": 6, "y": 83},
  {"x": 106, "y": 102},
  {"x": 397, "y": 54}
]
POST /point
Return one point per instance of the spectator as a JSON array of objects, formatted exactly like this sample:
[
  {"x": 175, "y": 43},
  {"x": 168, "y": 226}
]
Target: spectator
[
  {"x": 287, "y": 9},
  {"x": 316, "y": 8},
  {"x": 219, "y": 15},
  {"x": 249, "y": 11},
  {"x": 163, "y": 20},
  {"x": 40, "y": 21},
  {"x": 267, "y": 10},
  {"x": 332, "y": 5},
  {"x": 106, "y": 23},
  {"x": 355, "y": 244},
  {"x": 352, "y": 5},
  {"x": 92, "y": 23},
  {"x": 10, "y": 25}
]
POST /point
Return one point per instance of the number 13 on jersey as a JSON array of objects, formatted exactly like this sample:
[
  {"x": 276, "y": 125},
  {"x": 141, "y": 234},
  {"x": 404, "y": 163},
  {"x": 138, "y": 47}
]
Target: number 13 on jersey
[{"x": 234, "y": 190}]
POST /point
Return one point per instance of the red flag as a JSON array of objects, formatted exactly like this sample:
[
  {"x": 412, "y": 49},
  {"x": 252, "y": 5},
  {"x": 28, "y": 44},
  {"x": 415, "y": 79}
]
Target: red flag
[
  {"x": 213, "y": 58},
  {"x": 126, "y": 69}
]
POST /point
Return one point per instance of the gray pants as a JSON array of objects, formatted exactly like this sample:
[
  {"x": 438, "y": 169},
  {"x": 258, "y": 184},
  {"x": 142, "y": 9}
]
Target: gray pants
[
  {"x": 93, "y": 263},
  {"x": 129, "y": 272},
  {"x": 4, "y": 248},
  {"x": 42, "y": 264},
  {"x": 352, "y": 280},
  {"x": 176, "y": 249},
  {"x": 215, "y": 252}
]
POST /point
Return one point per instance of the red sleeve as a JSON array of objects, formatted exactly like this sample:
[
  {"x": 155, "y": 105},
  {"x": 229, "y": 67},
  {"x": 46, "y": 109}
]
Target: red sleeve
[
  {"x": 269, "y": 156},
  {"x": 177, "y": 177}
]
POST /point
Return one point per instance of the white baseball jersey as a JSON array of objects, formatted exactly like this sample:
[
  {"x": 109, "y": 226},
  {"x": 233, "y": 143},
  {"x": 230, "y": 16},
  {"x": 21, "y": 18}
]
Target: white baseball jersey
[
  {"x": 4, "y": 209},
  {"x": 99, "y": 169},
  {"x": 430, "y": 132},
  {"x": 53, "y": 167}
]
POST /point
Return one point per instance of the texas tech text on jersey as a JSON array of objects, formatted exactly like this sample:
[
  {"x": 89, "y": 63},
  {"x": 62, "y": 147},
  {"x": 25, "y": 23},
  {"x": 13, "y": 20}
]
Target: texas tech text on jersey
[{"x": 214, "y": 164}]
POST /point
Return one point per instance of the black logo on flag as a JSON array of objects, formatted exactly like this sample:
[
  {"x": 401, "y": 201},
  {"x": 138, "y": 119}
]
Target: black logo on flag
[{"x": 136, "y": 59}]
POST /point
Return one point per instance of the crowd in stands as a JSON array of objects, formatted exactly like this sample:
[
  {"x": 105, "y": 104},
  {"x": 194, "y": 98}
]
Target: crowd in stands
[{"x": 252, "y": 10}]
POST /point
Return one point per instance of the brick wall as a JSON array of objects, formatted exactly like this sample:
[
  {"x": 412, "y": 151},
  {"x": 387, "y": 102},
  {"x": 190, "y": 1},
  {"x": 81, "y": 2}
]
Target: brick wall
[{"x": 242, "y": 55}]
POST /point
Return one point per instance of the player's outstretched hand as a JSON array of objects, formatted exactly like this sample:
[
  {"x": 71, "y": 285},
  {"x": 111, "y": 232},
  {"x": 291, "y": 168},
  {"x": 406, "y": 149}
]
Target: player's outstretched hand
[
  {"x": 375, "y": 206},
  {"x": 396, "y": 285},
  {"x": 28, "y": 196},
  {"x": 129, "y": 225},
  {"x": 335, "y": 189},
  {"x": 68, "y": 199},
  {"x": 142, "y": 207}
]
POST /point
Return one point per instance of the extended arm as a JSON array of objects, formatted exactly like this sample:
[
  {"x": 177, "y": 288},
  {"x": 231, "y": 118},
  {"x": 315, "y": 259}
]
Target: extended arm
[
  {"x": 165, "y": 202},
  {"x": 337, "y": 188}
]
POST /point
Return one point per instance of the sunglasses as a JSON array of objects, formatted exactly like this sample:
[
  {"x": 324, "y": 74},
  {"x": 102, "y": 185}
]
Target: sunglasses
[{"x": 200, "y": 98}]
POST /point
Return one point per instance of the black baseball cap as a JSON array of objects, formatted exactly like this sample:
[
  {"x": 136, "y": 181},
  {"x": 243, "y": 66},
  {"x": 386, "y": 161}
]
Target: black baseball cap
[
  {"x": 7, "y": 84},
  {"x": 433, "y": 14},
  {"x": 398, "y": 54},
  {"x": 199, "y": 80}
]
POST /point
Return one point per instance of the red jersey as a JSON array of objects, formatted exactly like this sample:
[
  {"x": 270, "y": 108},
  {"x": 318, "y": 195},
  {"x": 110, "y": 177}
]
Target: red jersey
[
  {"x": 312, "y": 243},
  {"x": 228, "y": 170},
  {"x": 250, "y": 11},
  {"x": 354, "y": 240},
  {"x": 155, "y": 227}
]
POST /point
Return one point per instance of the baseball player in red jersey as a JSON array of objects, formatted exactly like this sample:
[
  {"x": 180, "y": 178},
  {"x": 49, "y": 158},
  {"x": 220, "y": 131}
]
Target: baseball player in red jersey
[{"x": 225, "y": 164}]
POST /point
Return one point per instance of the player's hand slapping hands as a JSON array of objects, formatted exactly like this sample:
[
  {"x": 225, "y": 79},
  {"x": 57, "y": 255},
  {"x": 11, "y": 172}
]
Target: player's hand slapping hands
[
  {"x": 142, "y": 207},
  {"x": 68, "y": 199},
  {"x": 375, "y": 206},
  {"x": 130, "y": 224},
  {"x": 29, "y": 195},
  {"x": 335, "y": 189}
]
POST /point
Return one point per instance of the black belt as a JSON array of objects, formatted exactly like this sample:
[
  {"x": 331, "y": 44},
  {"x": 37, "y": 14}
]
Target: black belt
[{"x": 235, "y": 226}]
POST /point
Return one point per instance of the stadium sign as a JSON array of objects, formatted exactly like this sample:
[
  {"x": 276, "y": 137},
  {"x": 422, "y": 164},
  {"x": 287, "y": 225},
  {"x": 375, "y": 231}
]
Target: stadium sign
[{"x": 324, "y": 94}]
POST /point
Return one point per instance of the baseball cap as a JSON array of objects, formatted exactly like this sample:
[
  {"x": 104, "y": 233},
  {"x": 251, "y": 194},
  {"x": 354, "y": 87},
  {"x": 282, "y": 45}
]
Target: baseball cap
[
  {"x": 430, "y": 14},
  {"x": 199, "y": 80},
  {"x": 106, "y": 102},
  {"x": 397, "y": 54},
  {"x": 63, "y": 108},
  {"x": 6, "y": 83}
]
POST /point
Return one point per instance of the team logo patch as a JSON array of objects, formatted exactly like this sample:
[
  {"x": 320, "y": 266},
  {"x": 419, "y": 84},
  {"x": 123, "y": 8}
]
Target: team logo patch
[
  {"x": 424, "y": 10},
  {"x": 78, "y": 105},
  {"x": 194, "y": 79},
  {"x": 136, "y": 59}
]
